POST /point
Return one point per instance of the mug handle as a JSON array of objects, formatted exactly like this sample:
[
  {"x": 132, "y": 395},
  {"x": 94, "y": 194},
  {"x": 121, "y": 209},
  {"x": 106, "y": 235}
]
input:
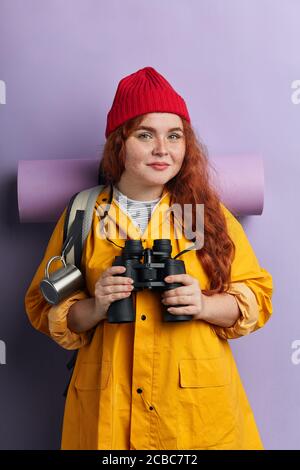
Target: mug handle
[{"x": 61, "y": 258}]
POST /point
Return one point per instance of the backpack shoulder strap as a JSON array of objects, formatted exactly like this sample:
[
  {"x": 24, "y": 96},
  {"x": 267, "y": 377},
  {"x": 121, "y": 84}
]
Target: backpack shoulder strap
[{"x": 78, "y": 221}]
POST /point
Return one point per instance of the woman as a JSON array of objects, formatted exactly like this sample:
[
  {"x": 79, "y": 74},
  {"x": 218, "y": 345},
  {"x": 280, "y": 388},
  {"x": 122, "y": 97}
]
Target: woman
[{"x": 152, "y": 384}]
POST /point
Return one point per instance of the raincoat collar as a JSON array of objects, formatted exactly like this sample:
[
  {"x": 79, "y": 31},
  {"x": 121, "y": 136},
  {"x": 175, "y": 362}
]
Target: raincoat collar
[{"x": 119, "y": 225}]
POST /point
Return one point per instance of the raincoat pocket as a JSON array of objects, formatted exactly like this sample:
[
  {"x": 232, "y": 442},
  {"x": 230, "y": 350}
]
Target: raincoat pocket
[
  {"x": 93, "y": 376},
  {"x": 206, "y": 406},
  {"x": 90, "y": 380}
]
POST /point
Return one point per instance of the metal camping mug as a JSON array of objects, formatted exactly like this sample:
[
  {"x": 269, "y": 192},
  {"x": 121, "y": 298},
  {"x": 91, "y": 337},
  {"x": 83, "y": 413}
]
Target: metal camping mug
[{"x": 58, "y": 285}]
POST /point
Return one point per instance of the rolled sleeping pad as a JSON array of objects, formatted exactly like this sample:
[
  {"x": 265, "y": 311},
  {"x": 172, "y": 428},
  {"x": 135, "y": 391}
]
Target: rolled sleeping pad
[{"x": 46, "y": 186}]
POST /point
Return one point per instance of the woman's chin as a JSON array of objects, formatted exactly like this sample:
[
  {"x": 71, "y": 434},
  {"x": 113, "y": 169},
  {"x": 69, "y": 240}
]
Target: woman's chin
[{"x": 157, "y": 179}]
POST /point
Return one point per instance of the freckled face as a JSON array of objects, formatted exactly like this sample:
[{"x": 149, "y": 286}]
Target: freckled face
[{"x": 159, "y": 139}]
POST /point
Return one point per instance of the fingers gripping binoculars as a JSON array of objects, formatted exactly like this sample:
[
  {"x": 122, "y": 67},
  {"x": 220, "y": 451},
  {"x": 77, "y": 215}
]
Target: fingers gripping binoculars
[{"x": 149, "y": 274}]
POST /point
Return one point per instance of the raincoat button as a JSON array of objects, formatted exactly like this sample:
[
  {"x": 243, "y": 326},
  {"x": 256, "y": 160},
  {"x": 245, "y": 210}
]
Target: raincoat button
[
  {"x": 151, "y": 408},
  {"x": 139, "y": 390},
  {"x": 143, "y": 317}
]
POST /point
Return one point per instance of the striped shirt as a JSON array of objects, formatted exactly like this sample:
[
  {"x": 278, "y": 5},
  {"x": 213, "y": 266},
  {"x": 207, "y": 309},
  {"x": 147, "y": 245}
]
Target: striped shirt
[{"x": 139, "y": 211}]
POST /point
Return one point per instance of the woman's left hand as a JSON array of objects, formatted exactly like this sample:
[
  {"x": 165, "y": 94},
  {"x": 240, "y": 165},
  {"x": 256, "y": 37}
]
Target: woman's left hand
[{"x": 189, "y": 296}]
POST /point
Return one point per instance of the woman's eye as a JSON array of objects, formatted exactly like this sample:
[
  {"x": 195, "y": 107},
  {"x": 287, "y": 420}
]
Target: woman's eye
[
  {"x": 149, "y": 135},
  {"x": 143, "y": 135}
]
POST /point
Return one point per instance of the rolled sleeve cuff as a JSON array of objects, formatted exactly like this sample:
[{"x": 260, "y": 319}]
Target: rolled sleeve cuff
[
  {"x": 58, "y": 326},
  {"x": 248, "y": 318}
]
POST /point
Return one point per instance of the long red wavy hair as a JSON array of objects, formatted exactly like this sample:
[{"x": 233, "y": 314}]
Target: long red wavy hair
[{"x": 191, "y": 185}]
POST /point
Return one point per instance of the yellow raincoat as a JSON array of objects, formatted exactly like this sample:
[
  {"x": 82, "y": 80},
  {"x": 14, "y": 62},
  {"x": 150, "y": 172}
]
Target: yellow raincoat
[{"x": 153, "y": 384}]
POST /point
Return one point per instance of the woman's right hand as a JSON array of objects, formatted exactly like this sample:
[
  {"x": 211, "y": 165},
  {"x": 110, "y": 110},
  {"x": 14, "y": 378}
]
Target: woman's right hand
[{"x": 111, "y": 287}]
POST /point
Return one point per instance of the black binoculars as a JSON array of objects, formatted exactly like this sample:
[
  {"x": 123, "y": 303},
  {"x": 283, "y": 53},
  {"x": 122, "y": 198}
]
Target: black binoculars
[{"x": 149, "y": 274}]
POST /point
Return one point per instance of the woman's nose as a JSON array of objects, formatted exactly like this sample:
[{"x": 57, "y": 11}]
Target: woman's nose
[{"x": 160, "y": 147}]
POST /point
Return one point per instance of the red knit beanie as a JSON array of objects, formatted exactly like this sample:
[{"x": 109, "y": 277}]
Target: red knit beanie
[{"x": 142, "y": 92}]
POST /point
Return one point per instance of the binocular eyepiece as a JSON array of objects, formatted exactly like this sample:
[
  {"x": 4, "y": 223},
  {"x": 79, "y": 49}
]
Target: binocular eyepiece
[{"x": 149, "y": 274}]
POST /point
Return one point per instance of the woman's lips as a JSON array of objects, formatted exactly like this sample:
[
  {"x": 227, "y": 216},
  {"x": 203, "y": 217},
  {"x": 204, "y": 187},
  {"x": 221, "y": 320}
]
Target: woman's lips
[{"x": 159, "y": 167}]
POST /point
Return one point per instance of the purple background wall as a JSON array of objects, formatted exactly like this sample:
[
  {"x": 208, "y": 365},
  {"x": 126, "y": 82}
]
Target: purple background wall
[{"x": 234, "y": 62}]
